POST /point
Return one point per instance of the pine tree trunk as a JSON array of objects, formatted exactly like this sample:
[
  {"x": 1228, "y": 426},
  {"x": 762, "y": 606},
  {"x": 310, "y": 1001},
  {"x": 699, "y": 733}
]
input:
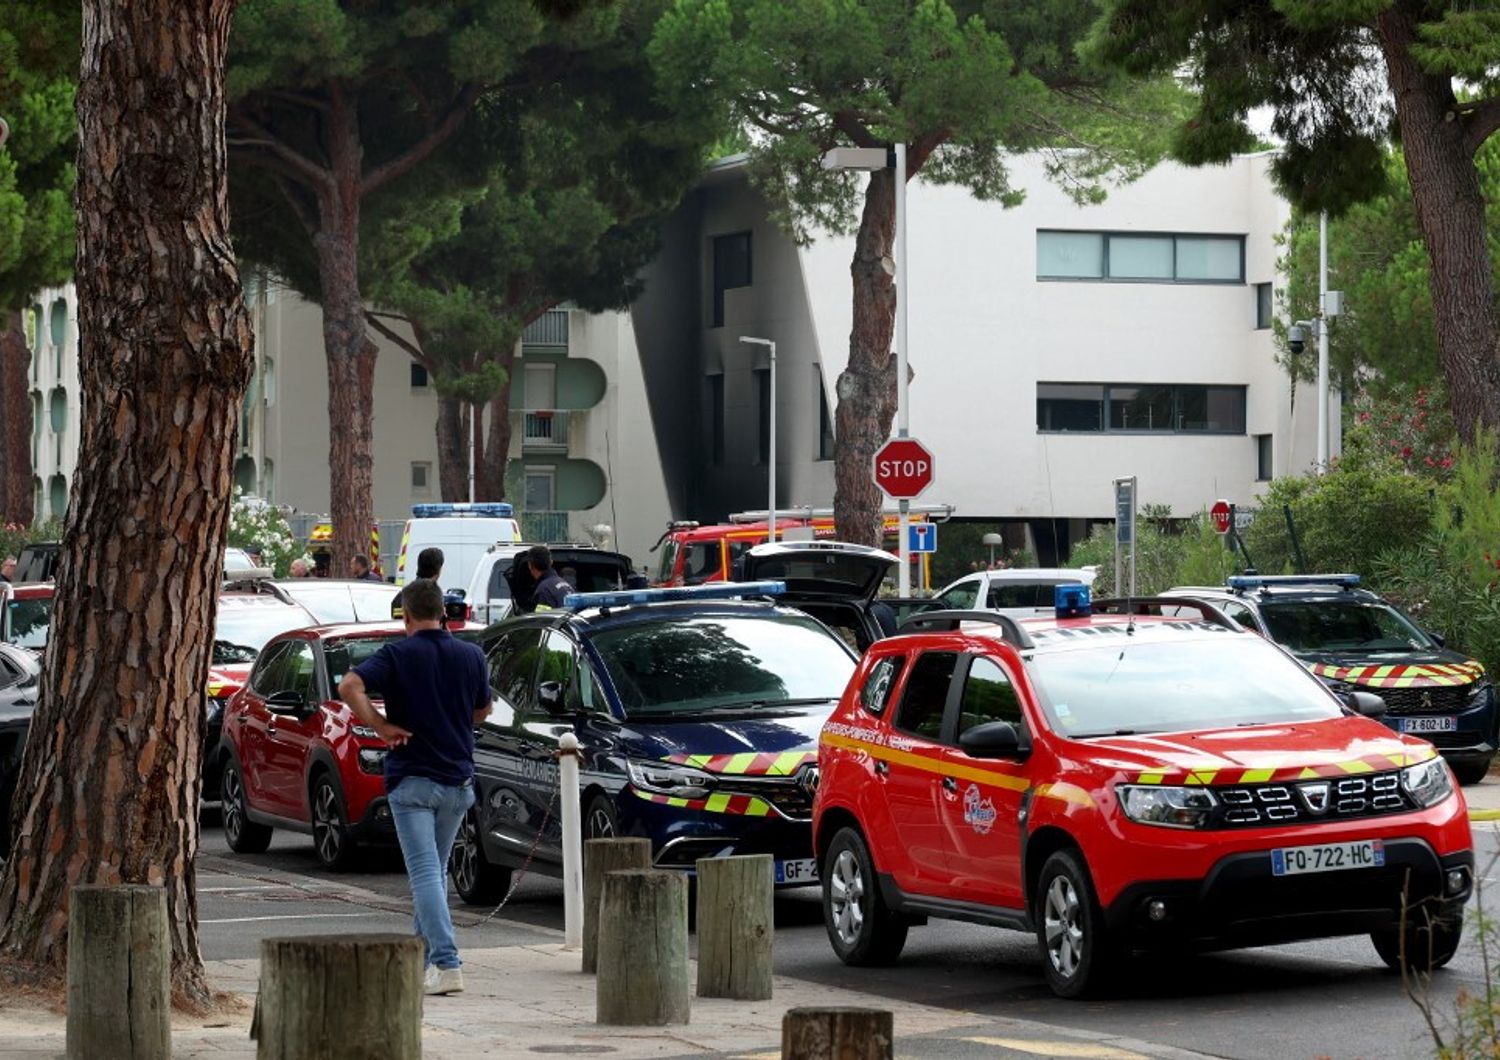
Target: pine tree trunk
[
  {"x": 16, "y": 492},
  {"x": 109, "y": 785},
  {"x": 867, "y": 386},
  {"x": 346, "y": 343},
  {"x": 453, "y": 456},
  {"x": 497, "y": 450},
  {"x": 1450, "y": 209}
]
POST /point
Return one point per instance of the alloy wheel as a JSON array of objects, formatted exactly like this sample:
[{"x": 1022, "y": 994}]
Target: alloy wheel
[
  {"x": 464, "y": 862},
  {"x": 327, "y": 829},
  {"x": 1062, "y": 916},
  {"x": 600, "y": 824},
  {"x": 846, "y": 890},
  {"x": 233, "y": 804}
]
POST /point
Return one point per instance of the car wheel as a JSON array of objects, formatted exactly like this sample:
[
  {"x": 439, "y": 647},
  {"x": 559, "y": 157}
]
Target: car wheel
[
  {"x": 331, "y": 840},
  {"x": 861, "y": 927},
  {"x": 1428, "y": 946},
  {"x": 600, "y": 820},
  {"x": 243, "y": 835},
  {"x": 475, "y": 879},
  {"x": 1471, "y": 772},
  {"x": 1077, "y": 955}
]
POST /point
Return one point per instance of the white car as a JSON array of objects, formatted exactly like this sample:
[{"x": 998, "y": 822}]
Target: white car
[
  {"x": 501, "y": 576},
  {"x": 1017, "y": 591}
]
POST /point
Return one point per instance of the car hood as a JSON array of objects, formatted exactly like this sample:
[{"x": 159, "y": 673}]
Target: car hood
[
  {"x": 1430, "y": 668},
  {"x": 738, "y": 744},
  {"x": 226, "y": 680},
  {"x": 1332, "y": 748}
]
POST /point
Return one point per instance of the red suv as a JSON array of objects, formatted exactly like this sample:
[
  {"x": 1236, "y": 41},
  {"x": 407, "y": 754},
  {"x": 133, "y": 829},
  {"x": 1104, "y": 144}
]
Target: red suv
[
  {"x": 294, "y": 757},
  {"x": 1127, "y": 782}
]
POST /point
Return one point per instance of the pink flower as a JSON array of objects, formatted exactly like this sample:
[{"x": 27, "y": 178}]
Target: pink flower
[{"x": 1405, "y": 452}]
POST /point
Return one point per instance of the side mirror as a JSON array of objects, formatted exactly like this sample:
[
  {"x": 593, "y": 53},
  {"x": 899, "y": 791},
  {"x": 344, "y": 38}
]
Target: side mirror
[
  {"x": 1366, "y": 703},
  {"x": 995, "y": 739},
  {"x": 287, "y": 702},
  {"x": 550, "y": 695},
  {"x": 1438, "y": 639}
]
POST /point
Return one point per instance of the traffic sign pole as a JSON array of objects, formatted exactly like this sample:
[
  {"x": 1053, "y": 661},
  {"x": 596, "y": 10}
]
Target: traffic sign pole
[{"x": 903, "y": 423}]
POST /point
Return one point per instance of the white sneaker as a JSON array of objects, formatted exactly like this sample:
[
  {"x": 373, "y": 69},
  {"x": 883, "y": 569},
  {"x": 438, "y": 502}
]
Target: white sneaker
[{"x": 443, "y": 980}]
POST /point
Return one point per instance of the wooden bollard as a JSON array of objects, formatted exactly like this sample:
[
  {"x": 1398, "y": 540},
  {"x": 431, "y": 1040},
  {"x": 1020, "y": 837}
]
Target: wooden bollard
[
  {"x": 643, "y": 950},
  {"x": 601, "y": 856},
  {"x": 837, "y": 1034},
  {"x": 119, "y": 974},
  {"x": 340, "y": 997},
  {"x": 736, "y": 922}
]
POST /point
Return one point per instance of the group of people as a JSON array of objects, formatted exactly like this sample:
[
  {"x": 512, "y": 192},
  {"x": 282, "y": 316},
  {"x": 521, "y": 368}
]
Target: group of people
[{"x": 360, "y": 567}]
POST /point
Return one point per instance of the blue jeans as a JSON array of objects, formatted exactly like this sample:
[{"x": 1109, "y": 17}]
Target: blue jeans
[{"x": 427, "y": 816}]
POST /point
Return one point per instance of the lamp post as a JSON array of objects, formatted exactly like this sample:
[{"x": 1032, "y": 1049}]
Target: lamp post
[
  {"x": 1330, "y": 305},
  {"x": 771, "y": 442},
  {"x": 872, "y": 159}
]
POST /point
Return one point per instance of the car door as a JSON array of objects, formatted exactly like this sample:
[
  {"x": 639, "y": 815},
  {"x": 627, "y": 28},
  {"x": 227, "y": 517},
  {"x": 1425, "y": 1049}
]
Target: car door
[
  {"x": 503, "y": 801},
  {"x": 982, "y": 797},
  {"x": 913, "y": 776},
  {"x": 251, "y": 719},
  {"x": 543, "y": 719},
  {"x": 289, "y": 737}
]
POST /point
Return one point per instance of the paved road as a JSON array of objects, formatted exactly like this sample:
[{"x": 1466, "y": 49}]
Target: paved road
[{"x": 1329, "y": 998}]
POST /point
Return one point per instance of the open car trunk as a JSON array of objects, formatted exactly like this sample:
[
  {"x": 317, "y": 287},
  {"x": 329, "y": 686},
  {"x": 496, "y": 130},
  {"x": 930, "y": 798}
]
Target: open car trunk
[
  {"x": 589, "y": 570},
  {"x": 833, "y": 581}
]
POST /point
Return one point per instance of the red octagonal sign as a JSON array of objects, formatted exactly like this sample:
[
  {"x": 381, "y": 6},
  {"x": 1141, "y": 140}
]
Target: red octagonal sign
[{"x": 903, "y": 468}]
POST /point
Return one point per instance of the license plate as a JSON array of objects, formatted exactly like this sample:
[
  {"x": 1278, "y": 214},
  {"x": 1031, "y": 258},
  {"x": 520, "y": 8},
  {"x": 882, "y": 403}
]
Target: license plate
[
  {"x": 1448, "y": 724},
  {"x": 1328, "y": 857},
  {"x": 802, "y": 870}
]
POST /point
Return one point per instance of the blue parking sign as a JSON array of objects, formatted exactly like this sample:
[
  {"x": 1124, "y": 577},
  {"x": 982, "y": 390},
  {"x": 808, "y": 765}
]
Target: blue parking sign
[{"x": 922, "y": 537}]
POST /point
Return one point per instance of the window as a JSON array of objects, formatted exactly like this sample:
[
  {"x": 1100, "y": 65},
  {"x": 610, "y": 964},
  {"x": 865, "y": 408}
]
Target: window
[
  {"x": 298, "y": 672},
  {"x": 700, "y": 562},
  {"x": 1239, "y": 612},
  {"x": 1264, "y": 305},
  {"x": 988, "y": 696},
  {"x": 268, "y": 671},
  {"x": 1263, "y": 458},
  {"x": 513, "y": 665},
  {"x": 959, "y": 598},
  {"x": 556, "y": 664},
  {"x": 926, "y": 694},
  {"x": 539, "y": 489},
  {"x": 421, "y": 477},
  {"x": 1192, "y": 409},
  {"x": 418, "y": 376},
  {"x": 825, "y": 420},
  {"x": 1136, "y": 258},
  {"x": 716, "y": 419},
  {"x": 878, "y": 684},
  {"x": 763, "y": 415},
  {"x": 731, "y": 269}
]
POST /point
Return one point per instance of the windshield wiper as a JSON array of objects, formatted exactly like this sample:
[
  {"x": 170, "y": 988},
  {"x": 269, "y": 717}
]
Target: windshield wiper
[{"x": 1115, "y": 732}]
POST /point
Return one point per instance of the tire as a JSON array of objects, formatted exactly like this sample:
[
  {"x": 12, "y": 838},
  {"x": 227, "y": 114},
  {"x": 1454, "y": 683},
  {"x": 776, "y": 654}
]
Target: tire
[
  {"x": 243, "y": 835},
  {"x": 1468, "y": 773},
  {"x": 864, "y": 931},
  {"x": 332, "y": 843},
  {"x": 600, "y": 821},
  {"x": 1078, "y": 957},
  {"x": 476, "y": 880},
  {"x": 1428, "y": 947}
]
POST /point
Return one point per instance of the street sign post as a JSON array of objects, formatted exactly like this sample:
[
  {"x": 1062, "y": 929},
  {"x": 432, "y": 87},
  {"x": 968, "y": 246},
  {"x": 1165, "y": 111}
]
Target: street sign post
[
  {"x": 1125, "y": 527},
  {"x": 903, "y": 467},
  {"x": 922, "y": 537},
  {"x": 1219, "y": 513}
]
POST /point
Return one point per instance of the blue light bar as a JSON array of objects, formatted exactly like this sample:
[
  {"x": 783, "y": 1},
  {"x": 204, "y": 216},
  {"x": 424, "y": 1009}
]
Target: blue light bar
[
  {"x": 1267, "y": 581},
  {"x": 1072, "y": 601},
  {"x": 483, "y": 509},
  {"x": 719, "y": 591}
]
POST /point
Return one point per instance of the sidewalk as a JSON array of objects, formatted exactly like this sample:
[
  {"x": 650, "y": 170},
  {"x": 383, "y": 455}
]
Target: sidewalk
[
  {"x": 1484, "y": 799},
  {"x": 533, "y": 999}
]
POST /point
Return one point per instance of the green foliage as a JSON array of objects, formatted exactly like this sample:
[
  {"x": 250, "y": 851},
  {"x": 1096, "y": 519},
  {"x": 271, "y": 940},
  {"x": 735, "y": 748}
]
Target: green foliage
[
  {"x": 961, "y": 550},
  {"x": 1158, "y": 559},
  {"x": 1411, "y": 424},
  {"x": 1204, "y": 557},
  {"x": 14, "y": 536},
  {"x": 254, "y": 522},
  {"x": 1468, "y": 520},
  {"x": 1431, "y": 581}
]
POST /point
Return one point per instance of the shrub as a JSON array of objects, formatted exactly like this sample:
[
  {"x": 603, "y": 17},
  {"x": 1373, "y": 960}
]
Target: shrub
[
  {"x": 1158, "y": 557},
  {"x": 254, "y": 522},
  {"x": 1469, "y": 515}
]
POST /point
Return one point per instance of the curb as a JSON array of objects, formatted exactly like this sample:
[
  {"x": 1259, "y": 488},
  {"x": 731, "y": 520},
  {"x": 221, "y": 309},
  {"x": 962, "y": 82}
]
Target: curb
[{"x": 1484, "y": 815}]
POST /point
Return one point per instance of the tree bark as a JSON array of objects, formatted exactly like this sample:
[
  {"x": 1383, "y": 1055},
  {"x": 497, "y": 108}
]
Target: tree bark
[
  {"x": 497, "y": 450},
  {"x": 347, "y": 344},
  {"x": 110, "y": 779},
  {"x": 453, "y": 456},
  {"x": 16, "y": 493},
  {"x": 1450, "y": 205},
  {"x": 867, "y": 386}
]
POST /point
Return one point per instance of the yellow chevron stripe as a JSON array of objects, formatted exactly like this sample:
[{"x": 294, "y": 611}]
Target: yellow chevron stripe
[
  {"x": 757, "y": 808},
  {"x": 1257, "y": 776},
  {"x": 1308, "y": 773},
  {"x": 698, "y": 761},
  {"x": 1356, "y": 767},
  {"x": 717, "y": 803},
  {"x": 1151, "y": 778},
  {"x": 1202, "y": 776},
  {"x": 1066, "y": 792},
  {"x": 786, "y": 764},
  {"x": 739, "y": 763}
]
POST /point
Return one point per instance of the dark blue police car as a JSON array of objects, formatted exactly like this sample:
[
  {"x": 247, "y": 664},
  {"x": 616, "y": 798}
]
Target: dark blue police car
[{"x": 697, "y": 713}]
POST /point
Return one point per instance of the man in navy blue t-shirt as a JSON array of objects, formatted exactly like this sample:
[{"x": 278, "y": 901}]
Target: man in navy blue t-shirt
[{"x": 436, "y": 692}]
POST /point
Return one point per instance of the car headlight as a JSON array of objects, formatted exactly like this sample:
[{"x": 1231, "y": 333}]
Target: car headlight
[
  {"x": 364, "y": 732},
  {"x": 663, "y": 778},
  {"x": 372, "y": 759},
  {"x": 1169, "y": 807},
  {"x": 1427, "y": 783}
]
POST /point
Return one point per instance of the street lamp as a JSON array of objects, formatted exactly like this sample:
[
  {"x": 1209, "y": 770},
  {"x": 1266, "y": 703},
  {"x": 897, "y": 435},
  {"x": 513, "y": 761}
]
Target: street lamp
[
  {"x": 871, "y": 159},
  {"x": 771, "y": 442},
  {"x": 1330, "y": 304}
]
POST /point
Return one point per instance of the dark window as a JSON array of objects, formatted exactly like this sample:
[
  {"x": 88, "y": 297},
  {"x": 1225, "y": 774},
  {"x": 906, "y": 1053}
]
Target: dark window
[
  {"x": 988, "y": 696},
  {"x": 1263, "y": 458},
  {"x": 731, "y": 268},
  {"x": 1140, "y": 407},
  {"x": 878, "y": 684},
  {"x": 825, "y": 419},
  {"x": 1264, "y": 302},
  {"x": 716, "y": 419},
  {"x": 513, "y": 665},
  {"x": 763, "y": 414},
  {"x": 1135, "y": 257},
  {"x": 926, "y": 694},
  {"x": 268, "y": 667},
  {"x": 557, "y": 659},
  {"x": 300, "y": 671},
  {"x": 701, "y": 562},
  {"x": 418, "y": 375},
  {"x": 959, "y": 598},
  {"x": 1069, "y": 407},
  {"x": 1239, "y": 612}
]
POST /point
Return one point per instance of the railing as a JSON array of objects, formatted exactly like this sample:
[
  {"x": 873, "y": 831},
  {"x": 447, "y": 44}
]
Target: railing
[
  {"x": 544, "y": 429},
  {"x": 544, "y": 526},
  {"x": 549, "y": 329}
]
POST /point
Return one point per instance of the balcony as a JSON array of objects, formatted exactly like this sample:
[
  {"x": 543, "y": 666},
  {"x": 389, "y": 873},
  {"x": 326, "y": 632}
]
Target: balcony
[
  {"x": 544, "y": 526},
  {"x": 548, "y": 331},
  {"x": 544, "y": 431}
]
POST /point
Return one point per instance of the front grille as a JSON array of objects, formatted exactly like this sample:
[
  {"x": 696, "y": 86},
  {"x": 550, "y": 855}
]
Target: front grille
[
  {"x": 1341, "y": 798},
  {"x": 1440, "y": 699},
  {"x": 792, "y": 796}
]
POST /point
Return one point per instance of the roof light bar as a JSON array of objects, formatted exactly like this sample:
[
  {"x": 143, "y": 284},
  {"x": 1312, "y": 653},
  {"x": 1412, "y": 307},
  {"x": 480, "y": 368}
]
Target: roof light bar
[
  {"x": 719, "y": 591},
  {"x": 482, "y": 509},
  {"x": 1267, "y": 581}
]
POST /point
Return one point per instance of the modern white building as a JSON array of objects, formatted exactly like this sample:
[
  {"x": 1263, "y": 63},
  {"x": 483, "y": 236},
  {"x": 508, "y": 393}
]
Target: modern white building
[{"x": 1054, "y": 346}]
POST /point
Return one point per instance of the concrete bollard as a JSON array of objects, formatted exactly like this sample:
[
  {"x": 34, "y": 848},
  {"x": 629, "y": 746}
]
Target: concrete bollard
[
  {"x": 643, "y": 950},
  {"x": 602, "y": 856},
  {"x": 119, "y": 974},
  {"x": 736, "y": 926},
  {"x": 340, "y": 997},
  {"x": 837, "y": 1034}
]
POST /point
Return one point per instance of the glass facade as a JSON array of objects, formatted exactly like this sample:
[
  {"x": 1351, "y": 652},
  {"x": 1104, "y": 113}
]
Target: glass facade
[
  {"x": 1139, "y": 258},
  {"x": 1140, "y": 407}
]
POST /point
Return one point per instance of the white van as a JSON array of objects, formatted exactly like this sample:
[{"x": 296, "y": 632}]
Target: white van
[
  {"x": 502, "y": 578},
  {"x": 465, "y": 532}
]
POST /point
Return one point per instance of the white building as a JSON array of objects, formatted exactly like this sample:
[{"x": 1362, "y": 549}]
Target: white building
[{"x": 1054, "y": 347}]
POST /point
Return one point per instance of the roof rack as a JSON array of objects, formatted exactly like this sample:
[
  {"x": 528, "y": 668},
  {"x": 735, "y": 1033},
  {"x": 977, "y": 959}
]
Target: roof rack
[
  {"x": 1152, "y": 605},
  {"x": 1244, "y": 582},
  {"x": 948, "y": 621}
]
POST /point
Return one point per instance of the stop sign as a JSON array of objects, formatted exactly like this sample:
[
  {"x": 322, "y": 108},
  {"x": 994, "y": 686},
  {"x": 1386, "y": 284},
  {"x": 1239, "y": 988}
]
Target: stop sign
[
  {"x": 903, "y": 468},
  {"x": 1219, "y": 513}
]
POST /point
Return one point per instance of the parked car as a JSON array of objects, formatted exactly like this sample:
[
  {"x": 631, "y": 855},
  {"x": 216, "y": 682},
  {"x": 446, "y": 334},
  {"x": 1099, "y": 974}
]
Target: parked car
[
  {"x": 696, "y": 712},
  {"x": 834, "y": 581},
  {"x": 1127, "y": 782},
  {"x": 20, "y": 680},
  {"x": 1357, "y": 642},
  {"x": 1015, "y": 591},
  {"x": 26, "y": 614},
  {"x": 330, "y": 601},
  {"x": 38, "y": 562},
  {"x": 463, "y": 531},
  {"x": 502, "y": 582}
]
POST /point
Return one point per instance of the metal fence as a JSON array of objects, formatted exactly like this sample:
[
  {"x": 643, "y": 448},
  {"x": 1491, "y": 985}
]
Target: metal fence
[
  {"x": 544, "y": 526},
  {"x": 544, "y": 429}
]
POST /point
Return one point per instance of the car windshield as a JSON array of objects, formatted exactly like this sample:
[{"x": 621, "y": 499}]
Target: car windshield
[
  {"x": 682, "y": 666},
  {"x": 242, "y": 631},
  {"x": 344, "y": 655},
  {"x": 30, "y": 620},
  {"x": 340, "y": 603},
  {"x": 1203, "y": 682},
  {"x": 1337, "y": 625}
]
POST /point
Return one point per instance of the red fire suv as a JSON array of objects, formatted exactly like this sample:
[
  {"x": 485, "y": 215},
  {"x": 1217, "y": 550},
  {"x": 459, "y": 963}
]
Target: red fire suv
[{"x": 1119, "y": 782}]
